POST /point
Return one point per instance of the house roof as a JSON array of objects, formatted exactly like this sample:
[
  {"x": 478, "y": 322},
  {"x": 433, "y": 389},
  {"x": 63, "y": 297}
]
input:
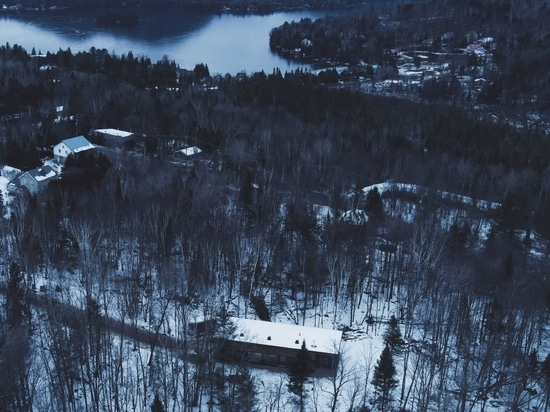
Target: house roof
[
  {"x": 284, "y": 335},
  {"x": 42, "y": 173},
  {"x": 189, "y": 151},
  {"x": 78, "y": 144},
  {"x": 114, "y": 132}
]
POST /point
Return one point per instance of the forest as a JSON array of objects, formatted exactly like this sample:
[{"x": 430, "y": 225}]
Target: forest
[{"x": 418, "y": 229}]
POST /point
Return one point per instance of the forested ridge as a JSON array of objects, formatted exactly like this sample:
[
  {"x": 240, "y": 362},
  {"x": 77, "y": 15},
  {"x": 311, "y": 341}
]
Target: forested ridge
[{"x": 421, "y": 225}]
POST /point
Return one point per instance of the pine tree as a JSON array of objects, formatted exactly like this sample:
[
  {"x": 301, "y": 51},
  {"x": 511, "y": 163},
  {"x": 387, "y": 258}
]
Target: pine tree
[
  {"x": 17, "y": 310},
  {"x": 235, "y": 389},
  {"x": 157, "y": 406},
  {"x": 392, "y": 336},
  {"x": 384, "y": 380},
  {"x": 374, "y": 205},
  {"x": 298, "y": 373}
]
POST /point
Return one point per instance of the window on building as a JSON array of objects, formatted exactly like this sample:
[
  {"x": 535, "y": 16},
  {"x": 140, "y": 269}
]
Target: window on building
[
  {"x": 255, "y": 357},
  {"x": 271, "y": 359}
]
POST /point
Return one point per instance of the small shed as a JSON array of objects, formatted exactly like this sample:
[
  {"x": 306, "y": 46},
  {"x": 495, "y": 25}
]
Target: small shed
[{"x": 276, "y": 344}]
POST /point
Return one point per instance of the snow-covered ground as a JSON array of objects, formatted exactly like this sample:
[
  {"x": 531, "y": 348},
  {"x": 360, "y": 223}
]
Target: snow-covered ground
[{"x": 361, "y": 346}]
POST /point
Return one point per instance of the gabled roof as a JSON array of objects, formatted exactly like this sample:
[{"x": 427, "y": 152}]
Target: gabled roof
[
  {"x": 78, "y": 144},
  {"x": 42, "y": 173},
  {"x": 189, "y": 151},
  {"x": 284, "y": 335}
]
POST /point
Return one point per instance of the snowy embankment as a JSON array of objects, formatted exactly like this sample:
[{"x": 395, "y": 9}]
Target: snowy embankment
[
  {"x": 6, "y": 198},
  {"x": 363, "y": 317}
]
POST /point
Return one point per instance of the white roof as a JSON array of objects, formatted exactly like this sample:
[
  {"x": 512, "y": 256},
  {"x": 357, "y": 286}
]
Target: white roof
[
  {"x": 189, "y": 151},
  {"x": 49, "y": 175},
  {"x": 114, "y": 132},
  {"x": 284, "y": 335}
]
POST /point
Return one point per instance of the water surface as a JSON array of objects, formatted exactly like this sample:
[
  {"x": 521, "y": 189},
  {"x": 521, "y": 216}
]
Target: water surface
[{"x": 226, "y": 43}]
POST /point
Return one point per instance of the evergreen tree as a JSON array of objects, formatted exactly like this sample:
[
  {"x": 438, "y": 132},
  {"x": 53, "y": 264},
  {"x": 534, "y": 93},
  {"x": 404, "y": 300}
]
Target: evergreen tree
[
  {"x": 384, "y": 380},
  {"x": 458, "y": 236},
  {"x": 392, "y": 336},
  {"x": 201, "y": 71},
  {"x": 157, "y": 406},
  {"x": 236, "y": 390},
  {"x": 225, "y": 330},
  {"x": 374, "y": 206},
  {"x": 17, "y": 310},
  {"x": 298, "y": 373}
]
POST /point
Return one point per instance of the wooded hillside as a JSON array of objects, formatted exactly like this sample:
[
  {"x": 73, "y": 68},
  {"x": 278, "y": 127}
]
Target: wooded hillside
[{"x": 420, "y": 226}]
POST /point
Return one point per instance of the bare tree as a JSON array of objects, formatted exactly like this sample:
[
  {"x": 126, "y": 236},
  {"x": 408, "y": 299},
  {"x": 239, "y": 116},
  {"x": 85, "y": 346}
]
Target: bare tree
[{"x": 346, "y": 373}]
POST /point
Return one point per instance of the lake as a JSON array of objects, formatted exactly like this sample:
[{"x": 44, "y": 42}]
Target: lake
[{"x": 226, "y": 43}]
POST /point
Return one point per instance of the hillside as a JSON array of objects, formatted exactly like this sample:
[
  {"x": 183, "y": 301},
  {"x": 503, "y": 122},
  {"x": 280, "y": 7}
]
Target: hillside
[{"x": 417, "y": 227}]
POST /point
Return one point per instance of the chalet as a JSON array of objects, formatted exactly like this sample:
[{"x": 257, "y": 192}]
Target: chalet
[
  {"x": 112, "y": 137},
  {"x": 275, "y": 344},
  {"x": 71, "y": 146},
  {"x": 34, "y": 180}
]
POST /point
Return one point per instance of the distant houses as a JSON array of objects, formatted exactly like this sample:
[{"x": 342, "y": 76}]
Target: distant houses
[
  {"x": 67, "y": 147},
  {"x": 35, "y": 180}
]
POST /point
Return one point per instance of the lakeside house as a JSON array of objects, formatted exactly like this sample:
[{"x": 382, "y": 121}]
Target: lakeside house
[{"x": 69, "y": 147}]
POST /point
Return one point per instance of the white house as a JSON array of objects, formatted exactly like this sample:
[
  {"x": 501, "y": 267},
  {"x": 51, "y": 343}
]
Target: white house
[
  {"x": 71, "y": 146},
  {"x": 35, "y": 179}
]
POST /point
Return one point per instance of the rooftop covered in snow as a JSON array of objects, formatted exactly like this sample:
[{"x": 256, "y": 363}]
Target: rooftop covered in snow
[
  {"x": 114, "y": 132},
  {"x": 78, "y": 144},
  {"x": 288, "y": 336}
]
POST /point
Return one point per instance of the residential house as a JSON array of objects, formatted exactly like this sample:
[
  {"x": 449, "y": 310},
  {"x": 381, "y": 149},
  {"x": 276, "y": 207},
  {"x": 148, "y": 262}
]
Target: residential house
[
  {"x": 71, "y": 146},
  {"x": 112, "y": 137},
  {"x": 276, "y": 344},
  {"x": 34, "y": 180}
]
